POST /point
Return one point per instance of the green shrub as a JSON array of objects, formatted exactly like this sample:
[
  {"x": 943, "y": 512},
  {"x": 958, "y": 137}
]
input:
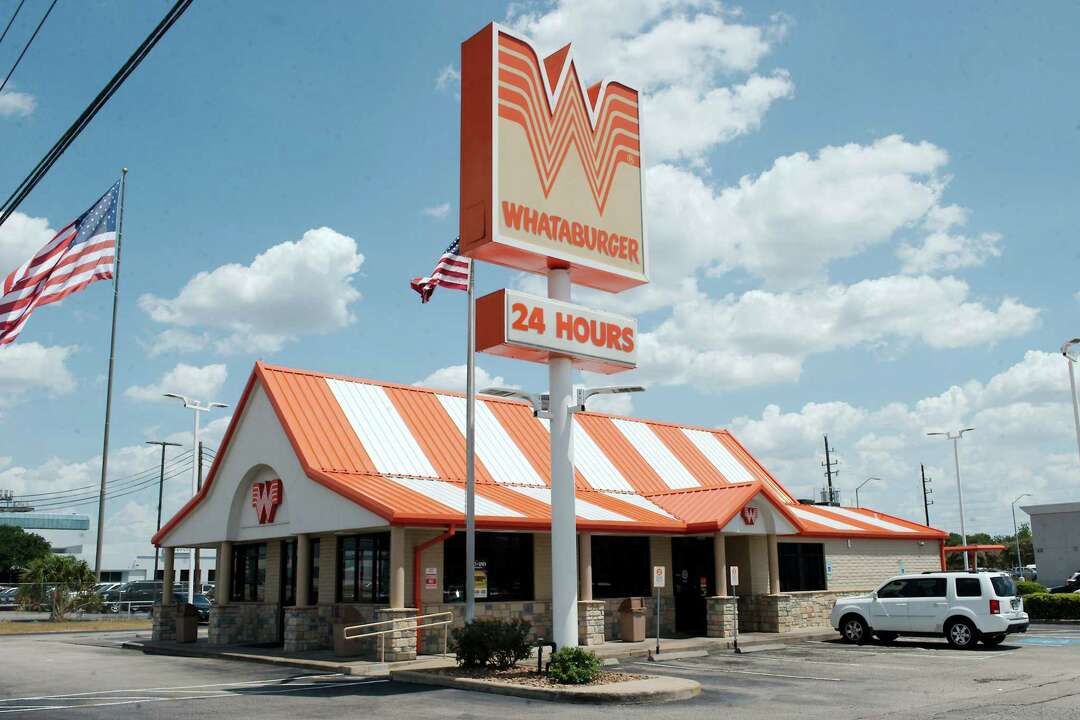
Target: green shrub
[
  {"x": 1056, "y": 606},
  {"x": 491, "y": 643},
  {"x": 1029, "y": 587},
  {"x": 574, "y": 666}
]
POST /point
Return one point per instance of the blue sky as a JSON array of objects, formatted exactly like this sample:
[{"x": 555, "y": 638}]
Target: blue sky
[{"x": 862, "y": 223}]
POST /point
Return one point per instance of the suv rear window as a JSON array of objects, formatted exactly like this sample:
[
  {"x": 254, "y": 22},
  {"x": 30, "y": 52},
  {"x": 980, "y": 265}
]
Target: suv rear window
[
  {"x": 1003, "y": 586},
  {"x": 968, "y": 587}
]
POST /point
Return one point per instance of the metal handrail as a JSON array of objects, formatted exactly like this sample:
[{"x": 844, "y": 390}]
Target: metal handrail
[{"x": 415, "y": 626}]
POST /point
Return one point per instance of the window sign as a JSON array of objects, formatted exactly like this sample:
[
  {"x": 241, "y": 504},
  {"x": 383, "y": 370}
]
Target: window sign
[
  {"x": 733, "y": 573},
  {"x": 480, "y": 581},
  {"x": 901, "y": 564},
  {"x": 659, "y": 578},
  {"x": 828, "y": 569}
]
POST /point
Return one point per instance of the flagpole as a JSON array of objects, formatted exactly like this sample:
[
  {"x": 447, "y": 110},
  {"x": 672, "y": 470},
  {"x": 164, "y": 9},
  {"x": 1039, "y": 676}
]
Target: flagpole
[
  {"x": 470, "y": 455},
  {"x": 109, "y": 386}
]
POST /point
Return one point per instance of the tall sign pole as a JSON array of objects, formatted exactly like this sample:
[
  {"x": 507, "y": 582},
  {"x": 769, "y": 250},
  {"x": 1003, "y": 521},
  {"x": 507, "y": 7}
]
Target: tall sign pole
[
  {"x": 109, "y": 382},
  {"x": 470, "y": 453}
]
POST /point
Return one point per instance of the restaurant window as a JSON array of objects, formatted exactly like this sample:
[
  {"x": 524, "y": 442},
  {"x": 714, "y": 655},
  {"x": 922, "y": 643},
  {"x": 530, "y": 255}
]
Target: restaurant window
[
  {"x": 364, "y": 568},
  {"x": 620, "y": 566},
  {"x": 313, "y": 588},
  {"x": 504, "y": 567},
  {"x": 249, "y": 573},
  {"x": 802, "y": 566},
  {"x": 288, "y": 572}
]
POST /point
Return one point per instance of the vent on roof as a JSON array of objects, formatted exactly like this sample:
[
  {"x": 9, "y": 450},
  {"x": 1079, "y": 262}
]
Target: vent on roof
[{"x": 806, "y": 501}]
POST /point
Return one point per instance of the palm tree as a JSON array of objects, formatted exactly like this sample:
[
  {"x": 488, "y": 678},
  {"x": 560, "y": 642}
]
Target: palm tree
[{"x": 58, "y": 581}]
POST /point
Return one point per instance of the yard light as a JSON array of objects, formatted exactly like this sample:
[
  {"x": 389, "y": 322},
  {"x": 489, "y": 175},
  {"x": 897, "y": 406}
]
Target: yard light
[
  {"x": 584, "y": 394},
  {"x": 1016, "y": 535},
  {"x": 860, "y": 488},
  {"x": 1070, "y": 360},
  {"x": 955, "y": 437}
]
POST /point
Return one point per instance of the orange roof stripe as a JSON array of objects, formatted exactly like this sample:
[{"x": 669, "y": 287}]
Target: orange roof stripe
[
  {"x": 622, "y": 454},
  {"x": 691, "y": 458}
]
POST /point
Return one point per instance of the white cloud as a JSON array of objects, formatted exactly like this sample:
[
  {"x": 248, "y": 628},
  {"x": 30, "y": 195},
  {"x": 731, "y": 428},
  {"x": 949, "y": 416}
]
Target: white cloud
[
  {"x": 199, "y": 383},
  {"x": 762, "y": 337},
  {"x": 175, "y": 340},
  {"x": 25, "y": 367},
  {"x": 292, "y": 289},
  {"x": 944, "y": 251},
  {"x": 679, "y": 53},
  {"x": 1023, "y": 442},
  {"x": 16, "y": 103},
  {"x": 449, "y": 80},
  {"x": 20, "y": 237},
  {"x": 453, "y": 378},
  {"x": 438, "y": 212}
]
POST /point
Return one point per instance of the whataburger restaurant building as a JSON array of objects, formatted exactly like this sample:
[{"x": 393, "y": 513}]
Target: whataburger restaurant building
[{"x": 335, "y": 501}]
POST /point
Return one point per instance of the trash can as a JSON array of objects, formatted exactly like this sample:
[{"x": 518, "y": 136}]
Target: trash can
[
  {"x": 187, "y": 623},
  {"x": 632, "y": 619}
]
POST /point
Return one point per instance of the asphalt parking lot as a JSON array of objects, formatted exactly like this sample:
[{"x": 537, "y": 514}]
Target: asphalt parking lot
[{"x": 89, "y": 676}]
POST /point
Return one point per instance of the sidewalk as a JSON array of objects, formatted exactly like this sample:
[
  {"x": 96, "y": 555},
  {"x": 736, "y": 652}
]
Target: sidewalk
[{"x": 324, "y": 661}]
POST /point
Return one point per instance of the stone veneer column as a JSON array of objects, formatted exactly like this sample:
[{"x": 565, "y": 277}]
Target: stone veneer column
[
  {"x": 401, "y": 644},
  {"x": 397, "y": 568},
  {"x": 774, "y": 565},
  {"x": 168, "y": 576},
  {"x": 720, "y": 564},
  {"x": 720, "y": 613},
  {"x": 590, "y": 622},
  {"x": 303, "y": 570},
  {"x": 223, "y": 574},
  {"x": 584, "y": 571}
]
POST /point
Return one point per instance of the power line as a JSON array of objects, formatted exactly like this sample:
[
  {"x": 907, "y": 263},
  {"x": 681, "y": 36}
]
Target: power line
[
  {"x": 11, "y": 21},
  {"x": 87, "y": 499},
  {"x": 117, "y": 80},
  {"x": 141, "y": 473},
  {"x": 27, "y": 45}
]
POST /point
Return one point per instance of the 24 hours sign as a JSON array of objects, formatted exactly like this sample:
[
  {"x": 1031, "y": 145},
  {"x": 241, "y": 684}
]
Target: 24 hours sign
[{"x": 527, "y": 327}]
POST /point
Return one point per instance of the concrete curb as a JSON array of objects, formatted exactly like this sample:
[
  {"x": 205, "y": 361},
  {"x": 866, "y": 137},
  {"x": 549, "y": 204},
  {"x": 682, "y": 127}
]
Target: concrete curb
[
  {"x": 649, "y": 690},
  {"x": 318, "y": 665}
]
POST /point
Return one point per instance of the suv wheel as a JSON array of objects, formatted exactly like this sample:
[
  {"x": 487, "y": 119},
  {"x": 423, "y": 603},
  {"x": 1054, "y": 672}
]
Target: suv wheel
[
  {"x": 853, "y": 629},
  {"x": 961, "y": 635}
]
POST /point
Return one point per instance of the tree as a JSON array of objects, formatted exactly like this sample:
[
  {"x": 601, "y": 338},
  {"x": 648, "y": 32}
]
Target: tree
[
  {"x": 18, "y": 549},
  {"x": 59, "y": 582}
]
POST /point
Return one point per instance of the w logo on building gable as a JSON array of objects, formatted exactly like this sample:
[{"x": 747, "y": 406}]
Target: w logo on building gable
[{"x": 265, "y": 498}]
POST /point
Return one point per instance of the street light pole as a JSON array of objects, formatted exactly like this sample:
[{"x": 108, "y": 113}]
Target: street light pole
[
  {"x": 955, "y": 437},
  {"x": 161, "y": 487},
  {"x": 1070, "y": 361},
  {"x": 860, "y": 488},
  {"x": 1016, "y": 535},
  {"x": 196, "y": 407}
]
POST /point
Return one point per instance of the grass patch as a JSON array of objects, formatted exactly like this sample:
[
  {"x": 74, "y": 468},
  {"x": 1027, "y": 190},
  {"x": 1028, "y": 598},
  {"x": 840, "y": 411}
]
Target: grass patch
[{"x": 44, "y": 626}]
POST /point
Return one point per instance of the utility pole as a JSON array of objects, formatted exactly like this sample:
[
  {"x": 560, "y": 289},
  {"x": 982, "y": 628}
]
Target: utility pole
[
  {"x": 829, "y": 464},
  {"x": 927, "y": 491},
  {"x": 161, "y": 486}
]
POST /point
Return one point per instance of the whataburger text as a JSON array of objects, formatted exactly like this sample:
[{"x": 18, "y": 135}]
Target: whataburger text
[{"x": 560, "y": 229}]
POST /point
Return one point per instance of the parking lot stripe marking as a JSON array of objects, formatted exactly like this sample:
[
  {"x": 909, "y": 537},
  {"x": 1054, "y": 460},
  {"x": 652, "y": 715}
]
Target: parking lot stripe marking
[
  {"x": 174, "y": 688},
  {"x": 103, "y": 702},
  {"x": 699, "y": 669}
]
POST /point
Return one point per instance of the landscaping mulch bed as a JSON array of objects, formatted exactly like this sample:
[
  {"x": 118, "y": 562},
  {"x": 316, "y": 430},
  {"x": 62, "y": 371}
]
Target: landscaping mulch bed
[{"x": 528, "y": 676}]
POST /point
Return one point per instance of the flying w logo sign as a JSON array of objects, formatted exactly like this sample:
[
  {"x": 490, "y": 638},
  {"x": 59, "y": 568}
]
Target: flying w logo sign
[
  {"x": 266, "y": 496},
  {"x": 604, "y": 135}
]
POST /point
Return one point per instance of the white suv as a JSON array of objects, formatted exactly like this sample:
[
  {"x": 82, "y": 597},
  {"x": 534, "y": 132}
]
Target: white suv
[{"x": 965, "y": 607}]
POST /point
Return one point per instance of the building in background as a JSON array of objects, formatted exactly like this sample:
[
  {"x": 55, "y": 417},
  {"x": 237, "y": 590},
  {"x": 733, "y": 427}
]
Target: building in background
[
  {"x": 1055, "y": 535},
  {"x": 65, "y": 532}
]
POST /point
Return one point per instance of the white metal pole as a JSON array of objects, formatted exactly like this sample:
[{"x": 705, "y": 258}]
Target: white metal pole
[
  {"x": 960, "y": 492},
  {"x": 192, "y": 557},
  {"x": 470, "y": 455},
  {"x": 1072, "y": 393},
  {"x": 563, "y": 516},
  {"x": 1016, "y": 537}
]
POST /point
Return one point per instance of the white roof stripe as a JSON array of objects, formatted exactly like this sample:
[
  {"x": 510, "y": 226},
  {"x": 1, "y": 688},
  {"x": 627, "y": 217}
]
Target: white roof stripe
[
  {"x": 657, "y": 454},
  {"x": 453, "y": 497},
  {"x": 496, "y": 449},
  {"x": 381, "y": 429},
  {"x": 582, "y": 508},
  {"x": 641, "y": 502},
  {"x": 814, "y": 517},
  {"x": 594, "y": 465},
  {"x": 865, "y": 518},
  {"x": 718, "y": 454}
]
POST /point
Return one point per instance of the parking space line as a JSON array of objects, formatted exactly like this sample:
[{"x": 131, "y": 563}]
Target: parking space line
[
  {"x": 174, "y": 688},
  {"x": 705, "y": 668}
]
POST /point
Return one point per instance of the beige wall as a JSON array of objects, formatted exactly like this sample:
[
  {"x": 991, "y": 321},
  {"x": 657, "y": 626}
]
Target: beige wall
[{"x": 869, "y": 562}]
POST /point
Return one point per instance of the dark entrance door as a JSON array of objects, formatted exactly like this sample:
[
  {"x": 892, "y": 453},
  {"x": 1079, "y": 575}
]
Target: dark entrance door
[
  {"x": 287, "y": 598},
  {"x": 692, "y": 562}
]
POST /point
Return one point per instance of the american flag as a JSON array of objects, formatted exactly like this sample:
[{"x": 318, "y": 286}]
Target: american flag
[
  {"x": 78, "y": 255},
  {"x": 451, "y": 271}
]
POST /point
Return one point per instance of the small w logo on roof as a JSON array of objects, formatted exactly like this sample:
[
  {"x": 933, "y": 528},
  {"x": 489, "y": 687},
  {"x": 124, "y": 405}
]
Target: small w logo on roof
[{"x": 265, "y": 498}]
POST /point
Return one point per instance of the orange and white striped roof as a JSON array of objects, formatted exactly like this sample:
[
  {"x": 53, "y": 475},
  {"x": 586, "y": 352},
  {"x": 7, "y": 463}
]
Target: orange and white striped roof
[{"x": 399, "y": 451}]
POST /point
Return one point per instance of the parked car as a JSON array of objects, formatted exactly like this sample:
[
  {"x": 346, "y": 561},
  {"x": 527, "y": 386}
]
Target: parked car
[
  {"x": 1072, "y": 584},
  {"x": 135, "y": 595},
  {"x": 201, "y": 603},
  {"x": 7, "y": 598},
  {"x": 964, "y": 607}
]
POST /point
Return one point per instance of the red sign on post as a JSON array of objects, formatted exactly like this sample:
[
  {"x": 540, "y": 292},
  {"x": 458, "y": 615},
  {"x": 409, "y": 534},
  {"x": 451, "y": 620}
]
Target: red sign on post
[
  {"x": 523, "y": 326},
  {"x": 550, "y": 169},
  {"x": 266, "y": 496}
]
